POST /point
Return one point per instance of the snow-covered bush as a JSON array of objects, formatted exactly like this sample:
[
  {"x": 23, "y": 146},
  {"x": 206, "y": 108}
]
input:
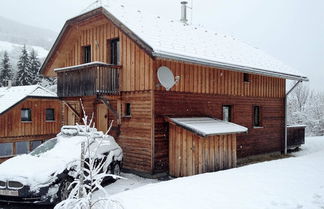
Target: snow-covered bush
[{"x": 90, "y": 173}]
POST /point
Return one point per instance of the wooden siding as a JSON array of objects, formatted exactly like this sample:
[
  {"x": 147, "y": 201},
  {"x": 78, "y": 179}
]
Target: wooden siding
[
  {"x": 208, "y": 80},
  {"x": 188, "y": 104},
  {"x": 136, "y": 73},
  {"x": 12, "y": 126},
  {"x": 190, "y": 154}
]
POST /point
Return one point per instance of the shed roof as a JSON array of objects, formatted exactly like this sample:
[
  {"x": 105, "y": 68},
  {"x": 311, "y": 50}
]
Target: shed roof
[
  {"x": 173, "y": 39},
  {"x": 10, "y": 96},
  {"x": 205, "y": 126}
]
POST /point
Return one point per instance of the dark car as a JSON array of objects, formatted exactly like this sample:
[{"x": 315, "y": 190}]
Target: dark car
[{"x": 44, "y": 175}]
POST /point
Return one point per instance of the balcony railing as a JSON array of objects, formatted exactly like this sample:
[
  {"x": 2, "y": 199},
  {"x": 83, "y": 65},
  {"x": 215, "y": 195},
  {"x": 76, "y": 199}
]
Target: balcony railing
[{"x": 88, "y": 80}]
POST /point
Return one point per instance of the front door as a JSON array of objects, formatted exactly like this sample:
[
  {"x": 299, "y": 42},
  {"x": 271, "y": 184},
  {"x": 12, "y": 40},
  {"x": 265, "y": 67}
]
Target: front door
[{"x": 102, "y": 118}]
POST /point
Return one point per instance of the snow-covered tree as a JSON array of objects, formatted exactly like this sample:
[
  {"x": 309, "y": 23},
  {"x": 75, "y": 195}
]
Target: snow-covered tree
[
  {"x": 34, "y": 67},
  {"x": 6, "y": 73},
  {"x": 24, "y": 74},
  {"x": 91, "y": 173},
  {"x": 305, "y": 107}
]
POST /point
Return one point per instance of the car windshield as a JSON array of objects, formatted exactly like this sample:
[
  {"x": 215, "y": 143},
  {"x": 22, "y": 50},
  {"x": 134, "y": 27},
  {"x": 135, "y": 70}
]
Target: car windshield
[{"x": 48, "y": 145}]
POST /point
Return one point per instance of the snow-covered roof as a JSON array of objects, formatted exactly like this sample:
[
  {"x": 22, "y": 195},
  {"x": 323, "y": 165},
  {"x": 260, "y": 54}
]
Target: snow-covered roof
[
  {"x": 206, "y": 126},
  {"x": 9, "y": 96}
]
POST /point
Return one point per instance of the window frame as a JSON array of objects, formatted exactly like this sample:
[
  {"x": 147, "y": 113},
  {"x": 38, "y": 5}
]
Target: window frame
[
  {"x": 12, "y": 150},
  {"x": 230, "y": 113},
  {"x": 127, "y": 110},
  {"x": 49, "y": 120},
  {"x": 113, "y": 48},
  {"x": 86, "y": 57},
  {"x": 29, "y": 119},
  {"x": 259, "y": 124}
]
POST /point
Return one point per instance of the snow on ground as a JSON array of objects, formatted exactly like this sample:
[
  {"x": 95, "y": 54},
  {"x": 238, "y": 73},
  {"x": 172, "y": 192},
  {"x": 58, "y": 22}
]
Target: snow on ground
[
  {"x": 11, "y": 47},
  {"x": 296, "y": 182}
]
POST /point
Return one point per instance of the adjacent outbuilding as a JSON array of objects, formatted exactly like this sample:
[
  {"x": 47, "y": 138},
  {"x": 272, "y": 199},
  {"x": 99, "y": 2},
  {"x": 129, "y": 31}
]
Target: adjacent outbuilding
[{"x": 28, "y": 116}]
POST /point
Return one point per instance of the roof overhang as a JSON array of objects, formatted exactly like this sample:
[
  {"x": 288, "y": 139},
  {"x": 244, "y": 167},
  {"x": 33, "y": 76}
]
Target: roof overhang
[{"x": 226, "y": 66}]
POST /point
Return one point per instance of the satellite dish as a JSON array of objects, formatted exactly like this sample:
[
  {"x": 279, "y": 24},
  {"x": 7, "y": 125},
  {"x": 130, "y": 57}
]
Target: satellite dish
[{"x": 166, "y": 77}]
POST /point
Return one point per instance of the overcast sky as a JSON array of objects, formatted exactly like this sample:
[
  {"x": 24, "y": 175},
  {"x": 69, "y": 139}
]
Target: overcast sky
[{"x": 291, "y": 30}]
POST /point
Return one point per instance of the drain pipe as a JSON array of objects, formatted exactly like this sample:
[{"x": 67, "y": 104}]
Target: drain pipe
[{"x": 286, "y": 113}]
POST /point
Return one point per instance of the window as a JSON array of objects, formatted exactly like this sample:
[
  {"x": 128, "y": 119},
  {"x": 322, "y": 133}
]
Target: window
[
  {"x": 22, "y": 147},
  {"x": 227, "y": 113},
  {"x": 127, "y": 109},
  {"x": 50, "y": 116},
  {"x": 86, "y": 53},
  {"x": 26, "y": 114},
  {"x": 114, "y": 49},
  {"x": 246, "y": 77},
  {"x": 35, "y": 144},
  {"x": 256, "y": 116},
  {"x": 6, "y": 149}
]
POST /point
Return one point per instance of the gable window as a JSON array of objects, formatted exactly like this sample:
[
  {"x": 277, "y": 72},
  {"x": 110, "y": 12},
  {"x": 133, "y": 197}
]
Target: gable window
[
  {"x": 246, "y": 77},
  {"x": 50, "y": 116},
  {"x": 227, "y": 113},
  {"x": 114, "y": 51},
  {"x": 128, "y": 111},
  {"x": 256, "y": 116},
  {"x": 86, "y": 54},
  {"x": 26, "y": 115}
]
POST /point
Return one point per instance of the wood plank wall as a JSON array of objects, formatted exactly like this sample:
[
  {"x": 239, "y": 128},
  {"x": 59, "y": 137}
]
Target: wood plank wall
[
  {"x": 136, "y": 73},
  {"x": 208, "y": 80},
  {"x": 11, "y": 125},
  {"x": 190, "y": 154},
  {"x": 188, "y": 104}
]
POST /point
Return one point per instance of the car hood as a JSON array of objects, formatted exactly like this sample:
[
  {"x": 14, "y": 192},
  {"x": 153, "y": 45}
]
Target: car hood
[{"x": 32, "y": 170}]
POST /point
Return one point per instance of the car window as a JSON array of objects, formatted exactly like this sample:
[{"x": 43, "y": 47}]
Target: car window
[{"x": 46, "y": 146}]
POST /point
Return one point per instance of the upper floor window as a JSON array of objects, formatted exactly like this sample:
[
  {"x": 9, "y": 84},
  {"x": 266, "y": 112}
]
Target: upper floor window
[
  {"x": 114, "y": 51},
  {"x": 86, "y": 54},
  {"x": 50, "y": 114},
  {"x": 246, "y": 77},
  {"x": 227, "y": 113},
  {"x": 26, "y": 114},
  {"x": 256, "y": 116}
]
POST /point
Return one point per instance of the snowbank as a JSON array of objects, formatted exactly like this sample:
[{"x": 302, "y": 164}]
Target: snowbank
[{"x": 296, "y": 182}]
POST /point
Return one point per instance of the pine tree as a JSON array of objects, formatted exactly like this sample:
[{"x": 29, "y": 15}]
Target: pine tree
[
  {"x": 34, "y": 67},
  {"x": 24, "y": 75},
  {"x": 5, "y": 70}
]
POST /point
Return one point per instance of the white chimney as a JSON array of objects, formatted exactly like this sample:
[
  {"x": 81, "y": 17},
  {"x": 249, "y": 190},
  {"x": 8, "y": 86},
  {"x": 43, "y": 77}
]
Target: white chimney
[{"x": 184, "y": 12}]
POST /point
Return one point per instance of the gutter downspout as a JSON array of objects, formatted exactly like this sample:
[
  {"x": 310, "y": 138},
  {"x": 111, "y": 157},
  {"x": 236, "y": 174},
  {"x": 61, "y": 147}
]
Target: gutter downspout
[{"x": 286, "y": 113}]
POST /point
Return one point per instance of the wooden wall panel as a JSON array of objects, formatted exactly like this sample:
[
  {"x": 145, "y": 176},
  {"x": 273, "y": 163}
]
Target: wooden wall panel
[
  {"x": 208, "y": 80},
  {"x": 12, "y": 126},
  {"x": 187, "y": 104},
  {"x": 190, "y": 154},
  {"x": 136, "y": 63}
]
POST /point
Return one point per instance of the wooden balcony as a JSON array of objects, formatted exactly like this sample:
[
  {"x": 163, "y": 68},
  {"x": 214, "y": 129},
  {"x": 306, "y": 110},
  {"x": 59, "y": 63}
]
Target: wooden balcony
[
  {"x": 89, "y": 79},
  {"x": 296, "y": 136}
]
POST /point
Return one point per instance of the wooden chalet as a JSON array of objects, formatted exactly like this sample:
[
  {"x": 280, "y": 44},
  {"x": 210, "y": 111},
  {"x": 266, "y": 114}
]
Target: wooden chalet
[
  {"x": 28, "y": 116},
  {"x": 109, "y": 57}
]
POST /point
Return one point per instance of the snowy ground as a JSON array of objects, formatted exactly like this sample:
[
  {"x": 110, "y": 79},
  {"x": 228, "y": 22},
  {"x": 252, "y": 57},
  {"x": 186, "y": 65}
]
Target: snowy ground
[{"x": 296, "y": 182}]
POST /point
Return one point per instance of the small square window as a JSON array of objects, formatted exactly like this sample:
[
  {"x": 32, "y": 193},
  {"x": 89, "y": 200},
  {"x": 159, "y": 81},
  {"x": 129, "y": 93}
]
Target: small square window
[
  {"x": 127, "y": 109},
  {"x": 22, "y": 147},
  {"x": 256, "y": 116},
  {"x": 246, "y": 77},
  {"x": 26, "y": 114},
  {"x": 35, "y": 144},
  {"x": 6, "y": 149},
  {"x": 50, "y": 114},
  {"x": 86, "y": 54},
  {"x": 227, "y": 113}
]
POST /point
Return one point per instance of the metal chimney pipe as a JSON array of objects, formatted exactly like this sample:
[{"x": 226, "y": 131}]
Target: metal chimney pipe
[{"x": 184, "y": 12}]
